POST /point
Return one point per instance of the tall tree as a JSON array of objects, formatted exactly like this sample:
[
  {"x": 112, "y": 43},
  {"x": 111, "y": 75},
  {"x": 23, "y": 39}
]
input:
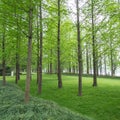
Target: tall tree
[
  {"x": 38, "y": 44},
  {"x": 28, "y": 78},
  {"x": 41, "y": 47},
  {"x": 58, "y": 49},
  {"x": 79, "y": 50},
  {"x": 94, "y": 46},
  {"x": 17, "y": 49}
]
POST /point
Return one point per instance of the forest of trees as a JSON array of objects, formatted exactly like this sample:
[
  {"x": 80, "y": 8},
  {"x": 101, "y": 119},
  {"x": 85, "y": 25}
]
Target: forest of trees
[{"x": 56, "y": 36}]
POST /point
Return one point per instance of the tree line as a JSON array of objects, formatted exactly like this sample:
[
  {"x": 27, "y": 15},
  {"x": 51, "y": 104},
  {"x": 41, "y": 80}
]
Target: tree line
[{"x": 51, "y": 36}]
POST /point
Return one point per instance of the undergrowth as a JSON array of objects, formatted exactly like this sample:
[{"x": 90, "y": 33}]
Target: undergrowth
[{"x": 12, "y": 107}]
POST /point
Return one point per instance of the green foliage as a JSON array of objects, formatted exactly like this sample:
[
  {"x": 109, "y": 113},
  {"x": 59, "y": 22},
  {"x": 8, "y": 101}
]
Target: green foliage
[{"x": 12, "y": 107}]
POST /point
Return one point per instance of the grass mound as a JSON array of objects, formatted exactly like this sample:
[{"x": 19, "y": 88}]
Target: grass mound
[{"x": 12, "y": 107}]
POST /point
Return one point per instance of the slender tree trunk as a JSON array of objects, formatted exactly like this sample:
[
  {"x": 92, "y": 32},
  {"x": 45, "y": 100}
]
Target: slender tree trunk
[
  {"x": 51, "y": 71},
  {"x": 3, "y": 58},
  {"x": 69, "y": 67},
  {"x": 48, "y": 67},
  {"x": 91, "y": 69},
  {"x": 41, "y": 42},
  {"x": 87, "y": 59},
  {"x": 79, "y": 51},
  {"x": 73, "y": 69},
  {"x": 94, "y": 48},
  {"x": 17, "y": 57},
  {"x": 100, "y": 66},
  {"x": 58, "y": 49},
  {"x": 105, "y": 66},
  {"x": 38, "y": 45},
  {"x": 17, "y": 68},
  {"x": 97, "y": 64},
  {"x": 17, "y": 76},
  {"x": 29, "y": 59},
  {"x": 111, "y": 59}
]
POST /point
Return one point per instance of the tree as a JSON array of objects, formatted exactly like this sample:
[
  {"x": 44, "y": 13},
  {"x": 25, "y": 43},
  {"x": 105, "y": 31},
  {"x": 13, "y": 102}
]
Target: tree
[
  {"x": 94, "y": 46},
  {"x": 28, "y": 77},
  {"x": 79, "y": 51},
  {"x": 58, "y": 49},
  {"x": 41, "y": 51},
  {"x": 3, "y": 56},
  {"x": 17, "y": 49}
]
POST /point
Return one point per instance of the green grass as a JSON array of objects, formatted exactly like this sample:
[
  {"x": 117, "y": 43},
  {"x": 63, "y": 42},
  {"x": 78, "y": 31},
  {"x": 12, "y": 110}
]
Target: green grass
[
  {"x": 12, "y": 107},
  {"x": 100, "y": 103}
]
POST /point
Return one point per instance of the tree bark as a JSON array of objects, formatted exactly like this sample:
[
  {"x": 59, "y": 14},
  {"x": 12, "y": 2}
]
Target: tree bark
[
  {"x": 17, "y": 57},
  {"x": 41, "y": 42},
  {"x": 28, "y": 78},
  {"x": 38, "y": 45},
  {"x": 79, "y": 51},
  {"x": 105, "y": 65},
  {"x": 94, "y": 48},
  {"x": 58, "y": 49},
  {"x": 111, "y": 60},
  {"x": 51, "y": 69},
  {"x": 69, "y": 70},
  {"x": 3, "y": 58},
  {"x": 87, "y": 59}
]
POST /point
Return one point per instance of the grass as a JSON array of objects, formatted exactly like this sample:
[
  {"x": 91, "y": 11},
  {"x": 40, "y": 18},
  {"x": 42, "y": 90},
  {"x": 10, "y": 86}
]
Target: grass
[
  {"x": 12, "y": 107},
  {"x": 100, "y": 103}
]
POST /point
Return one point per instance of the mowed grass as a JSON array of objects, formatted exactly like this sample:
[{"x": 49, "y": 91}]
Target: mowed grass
[{"x": 100, "y": 103}]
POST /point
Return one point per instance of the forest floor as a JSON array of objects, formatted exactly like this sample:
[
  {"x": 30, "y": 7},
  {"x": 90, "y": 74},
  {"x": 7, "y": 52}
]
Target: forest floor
[
  {"x": 100, "y": 103},
  {"x": 12, "y": 107}
]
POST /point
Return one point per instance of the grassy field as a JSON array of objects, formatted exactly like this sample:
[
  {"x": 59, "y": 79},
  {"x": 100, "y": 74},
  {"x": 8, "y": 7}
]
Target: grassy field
[
  {"x": 100, "y": 103},
  {"x": 12, "y": 107}
]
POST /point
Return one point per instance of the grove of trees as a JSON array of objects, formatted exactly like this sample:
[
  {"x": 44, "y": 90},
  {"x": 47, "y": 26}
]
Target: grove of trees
[{"x": 60, "y": 36}]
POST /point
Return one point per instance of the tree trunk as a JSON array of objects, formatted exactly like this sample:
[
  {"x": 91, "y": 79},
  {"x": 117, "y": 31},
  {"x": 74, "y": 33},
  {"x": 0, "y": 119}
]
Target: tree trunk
[
  {"x": 17, "y": 77},
  {"x": 73, "y": 69},
  {"x": 69, "y": 70},
  {"x": 51, "y": 71},
  {"x": 58, "y": 49},
  {"x": 28, "y": 78},
  {"x": 90, "y": 61},
  {"x": 87, "y": 59},
  {"x": 79, "y": 52},
  {"x": 105, "y": 66},
  {"x": 41, "y": 42},
  {"x": 111, "y": 59},
  {"x": 3, "y": 58},
  {"x": 38, "y": 45},
  {"x": 17, "y": 60},
  {"x": 100, "y": 66},
  {"x": 17, "y": 68},
  {"x": 94, "y": 48}
]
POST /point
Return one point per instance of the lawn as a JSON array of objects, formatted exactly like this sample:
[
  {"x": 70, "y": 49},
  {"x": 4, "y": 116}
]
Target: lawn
[
  {"x": 12, "y": 107},
  {"x": 100, "y": 103}
]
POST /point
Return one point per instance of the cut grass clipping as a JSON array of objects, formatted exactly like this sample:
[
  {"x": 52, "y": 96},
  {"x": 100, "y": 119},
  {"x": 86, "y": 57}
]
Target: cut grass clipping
[{"x": 12, "y": 107}]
